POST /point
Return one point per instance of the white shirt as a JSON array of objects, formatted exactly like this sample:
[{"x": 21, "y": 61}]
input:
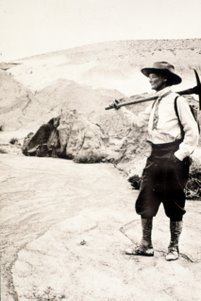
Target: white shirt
[{"x": 168, "y": 129}]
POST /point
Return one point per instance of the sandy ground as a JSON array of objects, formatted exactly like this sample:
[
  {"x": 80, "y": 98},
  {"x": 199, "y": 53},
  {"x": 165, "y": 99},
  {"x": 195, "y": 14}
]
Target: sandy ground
[{"x": 64, "y": 228}]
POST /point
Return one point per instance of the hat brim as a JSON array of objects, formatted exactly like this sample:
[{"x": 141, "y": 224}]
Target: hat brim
[{"x": 173, "y": 78}]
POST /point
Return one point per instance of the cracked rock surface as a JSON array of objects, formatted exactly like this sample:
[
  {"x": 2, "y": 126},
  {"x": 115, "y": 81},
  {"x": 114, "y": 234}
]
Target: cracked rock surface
[{"x": 63, "y": 230}]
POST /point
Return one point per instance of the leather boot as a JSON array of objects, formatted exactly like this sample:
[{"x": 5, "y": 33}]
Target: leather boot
[
  {"x": 145, "y": 248},
  {"x": 173, "y": 249}
]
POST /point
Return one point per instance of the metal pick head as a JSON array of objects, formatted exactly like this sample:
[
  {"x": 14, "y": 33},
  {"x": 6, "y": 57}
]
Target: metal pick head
[{"x": 198, "y": 87}]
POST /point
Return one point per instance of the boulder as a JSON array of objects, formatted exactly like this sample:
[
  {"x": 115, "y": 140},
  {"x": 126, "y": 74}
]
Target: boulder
[
  {"x": 69, "y": 136},
  {"x": 80, "y": 139},
  {"x": 45, "y": 142}
]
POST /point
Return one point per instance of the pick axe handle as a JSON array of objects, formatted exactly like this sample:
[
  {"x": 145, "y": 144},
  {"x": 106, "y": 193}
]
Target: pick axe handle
[{"x": 131, "y": 102}]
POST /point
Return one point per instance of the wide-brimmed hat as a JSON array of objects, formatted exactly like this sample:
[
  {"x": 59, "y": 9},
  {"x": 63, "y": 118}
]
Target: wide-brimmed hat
[{"x": 163, "y": 68}]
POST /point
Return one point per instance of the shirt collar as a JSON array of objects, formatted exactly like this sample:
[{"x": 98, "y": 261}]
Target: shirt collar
[{"x": 164, "y": 91}]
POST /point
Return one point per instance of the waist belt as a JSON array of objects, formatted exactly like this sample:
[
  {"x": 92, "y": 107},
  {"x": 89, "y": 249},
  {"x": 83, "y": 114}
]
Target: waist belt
[{"x": 166, "y": 146}]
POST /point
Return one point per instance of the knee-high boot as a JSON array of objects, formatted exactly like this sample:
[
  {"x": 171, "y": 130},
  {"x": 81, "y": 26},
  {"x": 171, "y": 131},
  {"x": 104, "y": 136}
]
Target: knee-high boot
[
  {"x": 145, "y": 248},
  {"x": 175, "y": 232},
  {"x": 146, "y": 232}
]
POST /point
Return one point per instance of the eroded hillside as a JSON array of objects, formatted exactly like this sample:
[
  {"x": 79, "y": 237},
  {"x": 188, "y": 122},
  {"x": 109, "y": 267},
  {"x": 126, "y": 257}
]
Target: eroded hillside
[{"x": 111, "y": 65}]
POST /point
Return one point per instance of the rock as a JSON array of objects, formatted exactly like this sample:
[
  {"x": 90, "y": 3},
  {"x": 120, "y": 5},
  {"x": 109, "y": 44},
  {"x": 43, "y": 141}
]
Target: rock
[
  {"x": 67, "y": 119},
  {"x": 135, "y": 181},
  {"x": 81, "y": 140},
  {"x": 44, "y": 142},
  {"x": 133, "y": 152},
  {"x": 26, "y": 143},
  {"x": 69, "y": 136}
]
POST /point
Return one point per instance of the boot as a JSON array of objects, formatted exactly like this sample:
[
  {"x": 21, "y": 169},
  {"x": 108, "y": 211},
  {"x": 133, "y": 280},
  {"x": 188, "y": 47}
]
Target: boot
[
  {"x": 173, "y": 249},
  {"x": 145, "y": 248}
]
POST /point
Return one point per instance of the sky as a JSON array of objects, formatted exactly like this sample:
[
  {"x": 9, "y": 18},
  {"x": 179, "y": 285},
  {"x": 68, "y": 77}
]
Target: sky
[{"x": 29, "y": 27}]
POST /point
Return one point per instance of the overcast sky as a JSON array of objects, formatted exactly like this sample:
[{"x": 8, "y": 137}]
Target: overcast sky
[{"x": 38, "y": 26}]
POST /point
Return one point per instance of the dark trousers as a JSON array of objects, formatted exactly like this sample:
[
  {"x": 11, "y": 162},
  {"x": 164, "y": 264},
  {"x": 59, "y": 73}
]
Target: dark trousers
[{"x": 163, "y": 181}]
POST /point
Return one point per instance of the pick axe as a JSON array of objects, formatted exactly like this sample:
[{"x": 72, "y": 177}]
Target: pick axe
[{"x": 194, "y": 90}]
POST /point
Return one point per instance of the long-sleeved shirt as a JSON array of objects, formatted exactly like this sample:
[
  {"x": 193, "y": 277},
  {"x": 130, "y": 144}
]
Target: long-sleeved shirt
[{"x": 168, "y": 129}]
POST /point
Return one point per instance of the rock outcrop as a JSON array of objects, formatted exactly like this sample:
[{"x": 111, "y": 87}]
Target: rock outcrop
[
  {"x": 69, "y": 136},
  {"x": 80, "y": 139},
  {"x": 15, "y": 99}
]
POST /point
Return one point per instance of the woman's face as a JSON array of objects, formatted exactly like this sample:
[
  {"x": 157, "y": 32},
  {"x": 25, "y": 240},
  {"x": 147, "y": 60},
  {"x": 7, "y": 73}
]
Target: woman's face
[{"x": 157, "y": 81}]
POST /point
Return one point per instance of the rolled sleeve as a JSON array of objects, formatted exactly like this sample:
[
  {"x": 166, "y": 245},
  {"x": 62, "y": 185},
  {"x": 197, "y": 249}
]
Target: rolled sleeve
[
  {"x": 132, "y": 119},
  {"x": 190, "y": 127}
]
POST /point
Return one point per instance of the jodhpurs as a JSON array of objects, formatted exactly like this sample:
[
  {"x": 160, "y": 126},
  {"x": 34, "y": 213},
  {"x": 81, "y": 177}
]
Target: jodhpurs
[{"x": 163, "y": 181}]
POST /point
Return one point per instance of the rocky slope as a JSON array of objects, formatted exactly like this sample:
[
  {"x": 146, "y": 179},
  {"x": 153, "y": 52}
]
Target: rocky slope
[
  {"x": 15, "y": 99},
  {"x": 20, "y": 108}
]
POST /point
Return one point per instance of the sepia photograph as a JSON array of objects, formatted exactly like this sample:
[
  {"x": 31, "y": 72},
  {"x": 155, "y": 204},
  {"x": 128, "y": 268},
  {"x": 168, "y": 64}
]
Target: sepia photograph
[{"x": 100, "y": 150}]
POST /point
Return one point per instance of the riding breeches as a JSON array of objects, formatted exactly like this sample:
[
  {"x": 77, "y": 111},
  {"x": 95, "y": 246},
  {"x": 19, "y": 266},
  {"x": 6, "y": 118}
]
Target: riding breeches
[{"x": 163, "y": 181}]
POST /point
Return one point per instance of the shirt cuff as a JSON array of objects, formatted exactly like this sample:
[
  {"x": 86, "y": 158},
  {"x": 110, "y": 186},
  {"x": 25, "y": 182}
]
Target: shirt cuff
[{"x": 179, "y": 156}]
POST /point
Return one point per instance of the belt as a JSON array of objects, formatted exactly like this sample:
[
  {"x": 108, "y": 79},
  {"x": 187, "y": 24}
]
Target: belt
[{"x": 167, "y": 146}]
